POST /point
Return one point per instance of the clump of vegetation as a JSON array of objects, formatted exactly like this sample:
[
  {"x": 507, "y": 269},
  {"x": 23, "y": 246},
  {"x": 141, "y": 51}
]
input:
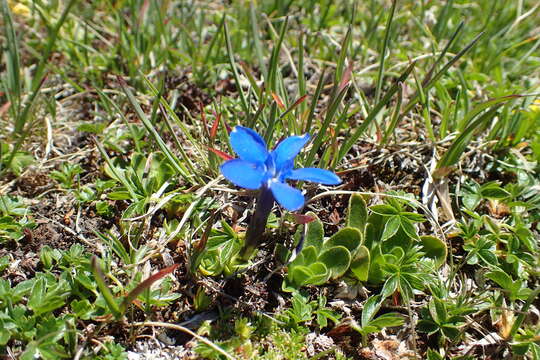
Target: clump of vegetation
[{"x": 127, "y": 225}]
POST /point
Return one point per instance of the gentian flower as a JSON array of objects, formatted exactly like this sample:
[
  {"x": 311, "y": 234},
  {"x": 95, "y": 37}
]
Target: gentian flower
[{"x": 258, "y": 168}]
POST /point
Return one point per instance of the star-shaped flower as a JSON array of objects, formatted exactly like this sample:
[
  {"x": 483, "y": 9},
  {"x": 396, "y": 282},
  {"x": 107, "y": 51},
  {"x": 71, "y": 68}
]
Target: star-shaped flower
[{"x": 257, "y": 168}]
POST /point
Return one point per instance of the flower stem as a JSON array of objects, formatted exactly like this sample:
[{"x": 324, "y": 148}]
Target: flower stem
[{"x": 257, "y": 224}]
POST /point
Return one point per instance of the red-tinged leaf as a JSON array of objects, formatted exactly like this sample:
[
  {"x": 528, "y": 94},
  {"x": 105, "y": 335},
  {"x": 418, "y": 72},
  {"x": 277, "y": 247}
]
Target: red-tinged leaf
[
  {"x": 203, "y": 118},
  {"x": 146, "y": 284},
  {"x": 229, "y": 129},
  {"x": 395, "y": 298},
  {"x": 238, "y": 228},
  {"x": 378, "y": 134},
  {"x": 300, "y": 100},
  {"x": 122, "y": 81},
  {"x": 4, "y": 108},
  {"x": 103, "y": 318},
  {"x": 346, "y": 76},
  {"x": 341, "y": 330},
  {"x": 221, "y": 154},
  {"x": 215, "y": 125},
  {"x": 143, "y": 11},
  {"x": 302, "y": 219},
  {"x": 278, "y": 101},
  {"x": 201, "y": 244}
]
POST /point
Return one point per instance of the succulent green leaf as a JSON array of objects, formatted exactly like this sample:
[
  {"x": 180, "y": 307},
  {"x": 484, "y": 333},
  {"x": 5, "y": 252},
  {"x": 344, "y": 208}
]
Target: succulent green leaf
[
  {"x": 309, "y": 255},
  {"x": 376, "y": 275},
  {"x": 357, "y": 214},
  {"x": 360, "y": 264},
  {"x": 299, "y": 260},
  {"x": 320, "y": 273},
  {"x": 348, "y": 237},
  {"x": 314, "y": 233},
  {"x": 337, "y": 259},
  {"x": 300, "y": 275}
]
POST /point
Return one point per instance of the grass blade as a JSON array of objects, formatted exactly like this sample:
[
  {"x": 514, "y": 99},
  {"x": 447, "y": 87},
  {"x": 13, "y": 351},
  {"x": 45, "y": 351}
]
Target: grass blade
[
  {"x": 428, "y": 82},
  {"x": 105, "y": 291},
  {"x": 458, "y": 146},
  {"x": 380, "y": 75},
  {"x": 232, "y": 63},
  {"x": 175, "y": 162},
  {"x": 373, "y": 113}
]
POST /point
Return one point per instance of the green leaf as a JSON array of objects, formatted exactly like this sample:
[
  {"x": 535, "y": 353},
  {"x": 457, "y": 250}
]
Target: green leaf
[
  {"x": 377, "y": 260},
  {"x": 390, "y": 286},
  {"x": 384, "y": 209},
  {"x": 300, "y": 275},
  {"x": 450, "y": 332},
  {"x": 501, "y": 278},
  {"x": 21, "y": 160},
  {"x": 360, "y": 264},
  {"x": 337, "y": 259},
  {"x": 105, "y": 292},
  {"x": 391, "y": 227},
  {"x": 320, "y": 274},
  {"x": 433, "y": 355},
  {"x": 434, "y": 248},
  {"x": 370, "y": 309},
  {"x": 408, "y": 227},
  {"x": 357, "y": 213},
  {"x": 349, "y": 238},
  {"x": 309, "y": 255},
  {"x": 414, "y": 217},
  {"x": 387, "y": 320},
  {"x": 427, "y": 326},
  {"x": 471, "y": 195},
  {"x": 437, "y": 309},
  {"x": 43, "y": 300},
  {"x": 132, "y": 295},
  {"x": 459, "y": 145},
  {"x": 493, "y": 191},
  {"x": 314, "y": 232}
]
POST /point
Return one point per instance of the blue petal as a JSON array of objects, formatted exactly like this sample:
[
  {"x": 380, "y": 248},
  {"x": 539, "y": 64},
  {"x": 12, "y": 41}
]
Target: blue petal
[
  {"x": 314, "y": 174},
  {"x": 288, "y": 149},
  {"x": 287, "y": 196},
  {"x": 248, "y": 144},
  {"x": 242, "y": 173}
]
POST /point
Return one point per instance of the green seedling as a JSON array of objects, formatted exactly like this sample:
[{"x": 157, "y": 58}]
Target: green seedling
[
  {"x": 441, "y": 318},
  {"x": 143, "y": 180},
  {"x": 216, "y": 253},
  {"x": 119, "y": 306},
  {"x": 67, "y": 176},
  {"x": 15, "y": 222},
  {"x": 370, "y": 324},
  {"x": 303, "y": 311}
]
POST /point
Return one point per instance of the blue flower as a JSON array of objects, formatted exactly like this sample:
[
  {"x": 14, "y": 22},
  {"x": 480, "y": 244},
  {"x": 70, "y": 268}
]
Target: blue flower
[{"x": 257, "y": 168}]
